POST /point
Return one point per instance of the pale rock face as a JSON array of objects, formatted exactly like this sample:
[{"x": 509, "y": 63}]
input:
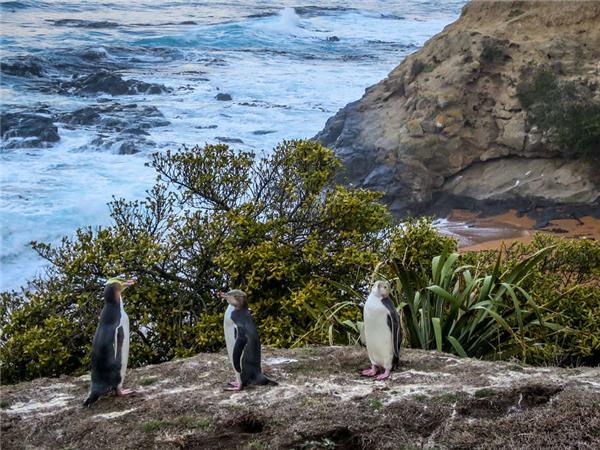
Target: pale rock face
[{"x": 451, "y": 109}]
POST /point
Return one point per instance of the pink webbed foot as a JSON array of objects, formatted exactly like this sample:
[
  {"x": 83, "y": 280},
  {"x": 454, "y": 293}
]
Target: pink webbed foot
[
  {"x": 124, "y": 392},
  {"x": 234, "y": 386},
  {"x": 384, "y": 375},
  {"x": 370, "y": 372}
]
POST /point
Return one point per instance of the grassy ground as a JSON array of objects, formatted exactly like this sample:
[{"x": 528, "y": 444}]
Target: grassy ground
[{"x": 433, "y": 401}]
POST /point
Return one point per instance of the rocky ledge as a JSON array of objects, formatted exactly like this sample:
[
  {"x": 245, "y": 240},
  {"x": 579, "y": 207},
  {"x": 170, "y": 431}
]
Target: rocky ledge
[
  {"x": 446, "y": 128},
  {"x": 434, "y": 400}
]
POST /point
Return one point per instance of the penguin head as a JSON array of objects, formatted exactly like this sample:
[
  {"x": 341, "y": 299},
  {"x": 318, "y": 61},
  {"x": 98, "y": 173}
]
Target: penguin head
[
  {"x": 235, "y": 298},
  {"x": 381, "y": 289},
  {"x": 114, "y": 287}
]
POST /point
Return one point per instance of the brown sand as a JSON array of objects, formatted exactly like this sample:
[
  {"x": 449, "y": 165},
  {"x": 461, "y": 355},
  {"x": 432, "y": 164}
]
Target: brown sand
[{"x": 476, "y": 233}]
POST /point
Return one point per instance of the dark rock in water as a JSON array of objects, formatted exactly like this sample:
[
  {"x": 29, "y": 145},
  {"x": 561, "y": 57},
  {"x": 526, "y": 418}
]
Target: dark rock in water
[
  {"x": 26, "y": 130},
  {"x": 109, "y": 83},
  {"x": 128, "y": 148},
  {"x": 206, "y": 127},
  {"x": 123, "y": 143},
  {"x": 333, "y": 39},
  {"x": 262, "y": 132},
  {"x": 79, "y": 23},
  {"x": 84, "y": 116},
  {"x": 229, "y": 140},
  {"x": 223, "y": 97},
  {"x": 262, "y": 104},
  {"x": 26, "y": 66},
  {"x": 94, "y": 54},
  {"x": 135, "y": 132},
  {"x": 188, "y": 22},
  {"x": 117, "y": 117},
  {"x": 122, "y": 128}
]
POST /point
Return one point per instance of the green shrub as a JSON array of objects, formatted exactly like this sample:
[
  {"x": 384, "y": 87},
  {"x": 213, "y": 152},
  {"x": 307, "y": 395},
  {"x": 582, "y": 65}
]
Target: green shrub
[
  {"x": 492, "y": 54},
  {"x": 414, "y": 244},
  {"x": 566, "y": 286},
  {"x": 515, "y": 13},
  {"x": 279, "y": 228},
  {"x": 470, "y": 314},
  {"x": 154, "y": 425},
  {"x": 417, "y": 67},
  {"x": 565, "y": 110}
]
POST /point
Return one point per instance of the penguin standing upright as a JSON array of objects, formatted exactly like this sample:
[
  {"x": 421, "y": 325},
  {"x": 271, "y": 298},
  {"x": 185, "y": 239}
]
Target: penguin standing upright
[
  {"x": 242, "y": 341},
  {"x": 382, "y": 331},
  {"x": 110, "y": 348}
]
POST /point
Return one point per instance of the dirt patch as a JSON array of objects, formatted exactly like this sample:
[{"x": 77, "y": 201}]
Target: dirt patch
[{"x": 489, "y": 403}]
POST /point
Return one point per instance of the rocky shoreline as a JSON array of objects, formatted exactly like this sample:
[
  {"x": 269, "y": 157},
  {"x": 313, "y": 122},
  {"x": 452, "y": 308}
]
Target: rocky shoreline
[{"x": 446, "y": 128}]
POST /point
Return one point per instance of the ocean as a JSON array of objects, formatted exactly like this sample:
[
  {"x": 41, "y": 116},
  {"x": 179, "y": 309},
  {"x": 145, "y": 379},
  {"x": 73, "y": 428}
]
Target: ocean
[{"x": 121, "y": 80}]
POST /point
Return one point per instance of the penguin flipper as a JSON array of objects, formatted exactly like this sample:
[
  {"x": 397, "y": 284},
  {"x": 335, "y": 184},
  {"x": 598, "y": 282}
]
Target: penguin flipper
[
  {"x": 393, "y": 322},
  {"x": 238, "y": 348}
]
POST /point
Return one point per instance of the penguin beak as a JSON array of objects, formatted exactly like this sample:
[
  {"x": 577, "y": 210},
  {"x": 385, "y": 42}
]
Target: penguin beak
[{"x": 125, "y": 284}]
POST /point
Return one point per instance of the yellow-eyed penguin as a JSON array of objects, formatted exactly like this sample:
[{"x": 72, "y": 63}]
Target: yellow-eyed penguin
[
  {"x": 242, "y": 341},
  {"x": 110, "y": 348},
  {"x": 382, "y": 332}
]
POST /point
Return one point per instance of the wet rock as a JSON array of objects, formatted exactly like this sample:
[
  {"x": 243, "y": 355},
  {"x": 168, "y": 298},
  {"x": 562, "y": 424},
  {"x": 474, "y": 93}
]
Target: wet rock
[
  {"x": 123, "y": 143},
  {"x": 223, "y": 97},
  {"x": 26, "y": 66},
  {"x": 84, "y": 116},
  {"x": 27, "y": 130},
  {"x": 229, "y": 140},
  {"x": 122, "y": 128},
  {"x": 333, "y": 39},
  {"x": 117, "y": 117},
  {"x": 105, "y": 82},
  {"x": 128, "y": 148}
]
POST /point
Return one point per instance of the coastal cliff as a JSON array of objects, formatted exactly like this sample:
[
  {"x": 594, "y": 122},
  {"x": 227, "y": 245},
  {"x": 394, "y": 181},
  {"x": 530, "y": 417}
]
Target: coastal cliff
[{"x": 447, "y": 128}]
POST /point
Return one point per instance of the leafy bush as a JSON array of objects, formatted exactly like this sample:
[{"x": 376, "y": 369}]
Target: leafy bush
[
  {"x": 459, "y": 311},
  {"x": 566, "y": 286},
  {"x": 565, "y": 110},
  {"x": 414, "y": 244},
  {"x": 492, "y": 54},
  {"x": 515, "y": 13},
  {"x": 278, "y": 227}
]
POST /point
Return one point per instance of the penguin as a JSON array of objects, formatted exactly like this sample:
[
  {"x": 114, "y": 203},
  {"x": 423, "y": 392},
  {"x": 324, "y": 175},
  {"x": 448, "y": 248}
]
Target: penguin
[
  {"x": 242, "y": 341},
  {"x": 382, "y": 332},
  {"x": 110, "y": 347}
]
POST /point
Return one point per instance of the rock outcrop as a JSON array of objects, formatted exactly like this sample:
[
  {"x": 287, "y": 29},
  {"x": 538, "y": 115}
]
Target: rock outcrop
[
  {"x": 434, "y": 400},
  {"x": 105, "y": 82},
  {"x": 27, "y": 130},
  {"x": 446, "y": 127}
]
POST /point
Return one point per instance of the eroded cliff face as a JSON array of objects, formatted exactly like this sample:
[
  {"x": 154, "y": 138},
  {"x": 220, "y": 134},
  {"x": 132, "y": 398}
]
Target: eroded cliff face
[{"x": 446, "y": 128}]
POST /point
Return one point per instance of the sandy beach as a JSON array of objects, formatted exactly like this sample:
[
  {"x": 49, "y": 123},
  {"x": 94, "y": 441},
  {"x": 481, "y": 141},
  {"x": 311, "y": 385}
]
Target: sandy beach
[{"x": 476, "y": 233}]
